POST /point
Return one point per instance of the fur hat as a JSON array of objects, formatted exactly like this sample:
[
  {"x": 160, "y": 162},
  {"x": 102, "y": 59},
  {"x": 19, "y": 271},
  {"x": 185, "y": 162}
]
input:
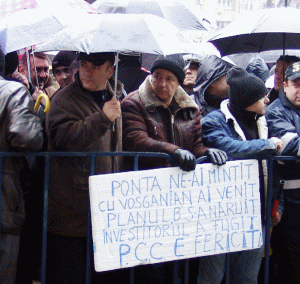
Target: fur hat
[
  {"x": 173, "y": 63},
  {"x": 245, "y": 89},
  {"x": 64, "y": 58}
]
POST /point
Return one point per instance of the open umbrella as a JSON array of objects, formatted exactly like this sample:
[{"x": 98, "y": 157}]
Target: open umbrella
[
  {"x": 26, "y": 28},
  {"x": 8, "y": 7},
  {"x": 12, "y": 6},
  {"x": 174, "y": 11},
  {"x": 267, "y": 29},
  {"x": 142, "y": 33},
  {"x": 269, "y": 56}
]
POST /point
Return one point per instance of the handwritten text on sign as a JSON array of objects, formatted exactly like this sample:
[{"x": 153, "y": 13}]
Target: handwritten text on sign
[{"x": 167, "y": 214}]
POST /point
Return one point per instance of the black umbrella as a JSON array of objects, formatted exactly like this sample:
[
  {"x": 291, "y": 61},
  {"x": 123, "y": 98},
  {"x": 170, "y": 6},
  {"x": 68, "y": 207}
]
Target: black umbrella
[{"x": 267, "y": 29}]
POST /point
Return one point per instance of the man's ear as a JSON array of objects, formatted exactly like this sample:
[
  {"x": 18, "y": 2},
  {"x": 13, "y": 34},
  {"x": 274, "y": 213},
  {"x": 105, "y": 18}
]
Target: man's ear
[
  {"x": 110, "y": 72},
  {"x": 21, "y": 69},
  {"x": 284, "y": 85}
]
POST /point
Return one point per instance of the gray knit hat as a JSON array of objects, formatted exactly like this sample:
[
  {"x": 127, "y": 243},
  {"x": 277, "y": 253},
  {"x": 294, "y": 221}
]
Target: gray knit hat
[
  {"x": 245, "y": 89},
  {"x": 173, "y": 63}
]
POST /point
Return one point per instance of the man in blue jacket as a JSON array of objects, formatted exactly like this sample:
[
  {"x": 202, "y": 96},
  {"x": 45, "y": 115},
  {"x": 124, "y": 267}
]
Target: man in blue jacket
[
  {"x": 239, "y": 128},
  {"x": 283, "y": 121}
]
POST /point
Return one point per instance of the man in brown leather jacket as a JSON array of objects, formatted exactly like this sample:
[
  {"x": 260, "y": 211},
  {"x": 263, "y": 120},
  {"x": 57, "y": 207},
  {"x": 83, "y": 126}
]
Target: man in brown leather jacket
[{"x": 161, "y": 117}]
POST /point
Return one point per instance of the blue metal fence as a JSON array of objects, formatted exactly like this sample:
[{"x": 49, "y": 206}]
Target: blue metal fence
[{"x": 136, "y": 156}]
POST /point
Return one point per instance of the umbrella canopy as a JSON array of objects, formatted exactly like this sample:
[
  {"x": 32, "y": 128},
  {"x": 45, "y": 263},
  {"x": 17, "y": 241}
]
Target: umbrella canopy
[
  {"x": 143, "y": 33},
  {"x": 8, "y": 7},
  {"x": 174, "y": 11},
  {"x": 269, "y": 56},
  {"x": 267, "y": 29},
  {"x": 12, "y": 6},
  {"x": 32, "y": 26}
]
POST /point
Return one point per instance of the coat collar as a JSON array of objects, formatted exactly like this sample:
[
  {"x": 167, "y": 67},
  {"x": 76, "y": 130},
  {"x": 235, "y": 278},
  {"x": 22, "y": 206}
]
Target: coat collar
[
  {"x": 150, "y": 100},
  {"x": 261, "y": 122},
  {"x": 110, "y": 85}
]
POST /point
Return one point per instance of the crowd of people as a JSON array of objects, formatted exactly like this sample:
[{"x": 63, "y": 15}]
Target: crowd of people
[{"x": 185, "y": 106}]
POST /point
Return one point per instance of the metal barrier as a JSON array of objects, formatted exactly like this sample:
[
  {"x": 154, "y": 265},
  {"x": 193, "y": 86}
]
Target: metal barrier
[{"x": 136, "y": 156}]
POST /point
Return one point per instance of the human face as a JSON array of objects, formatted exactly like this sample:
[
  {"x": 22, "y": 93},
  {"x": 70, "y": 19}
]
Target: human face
[
  {"x": 62, "y": 75},
  {"x": 190, "y": 75},
  {"x": 219, "y": 88},
  {"x": 42, "y": 71},
  {"x": 279, "y": 74},
  {"x": 92, "y": 77},
  {"x": 165, "y": 84},
  {"x": 292, "y": 91},
  {"x": 260, "y": 106}
]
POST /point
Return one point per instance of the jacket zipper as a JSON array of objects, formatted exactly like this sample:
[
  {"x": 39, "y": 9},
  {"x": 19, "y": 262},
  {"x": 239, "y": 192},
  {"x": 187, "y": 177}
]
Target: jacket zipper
[{"x": 172, "y": 128}]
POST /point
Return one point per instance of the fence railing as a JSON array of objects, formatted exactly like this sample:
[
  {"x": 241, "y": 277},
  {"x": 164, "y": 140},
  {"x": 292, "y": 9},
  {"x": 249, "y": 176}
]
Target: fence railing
[{"x": 136, "y": 156}]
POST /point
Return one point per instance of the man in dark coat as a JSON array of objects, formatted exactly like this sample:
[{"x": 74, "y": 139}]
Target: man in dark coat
[
  {"x": 21, "y": 130},
  {"x": 283, "y": 121},
  {"x": 85, "y": 116}
]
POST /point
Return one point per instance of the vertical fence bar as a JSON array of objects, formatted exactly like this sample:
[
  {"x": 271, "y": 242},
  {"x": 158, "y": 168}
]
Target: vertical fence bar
[
  {"x": 268, "y": 219},
  {"x": 45, "y": 219},
  {"x": 270, "y": 162},
  {"x": 1, "y": 178},
  {"x": 89, "y": 231}
]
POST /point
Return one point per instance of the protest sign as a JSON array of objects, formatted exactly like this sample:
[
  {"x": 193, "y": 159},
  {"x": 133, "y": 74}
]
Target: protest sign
[{"x": 159, "y": 215}]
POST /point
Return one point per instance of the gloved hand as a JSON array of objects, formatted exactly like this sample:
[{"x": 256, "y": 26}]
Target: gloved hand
[
  {"x": 216, "y": 156},
  {"x": 185, "y": 159}
]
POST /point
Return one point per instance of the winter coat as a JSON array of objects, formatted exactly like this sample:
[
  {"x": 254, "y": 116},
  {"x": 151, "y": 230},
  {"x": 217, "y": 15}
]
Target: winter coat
[
  {"x": 21, "y": 130},
  {"x": 284, "y": 122},
  {"x": 221, "y": 130},
  {"x": 76, "y": 123},
  {"x": 150, "y": 126},
  {"x": 211, "y": 69}
]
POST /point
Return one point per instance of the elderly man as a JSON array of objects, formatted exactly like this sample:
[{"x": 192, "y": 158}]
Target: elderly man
[
  {"x": 39, "y": 74},
  {"x": 161, "y": 117},
  {"x": 84, "y": 116},
  {"x": 283, "y": 121}
]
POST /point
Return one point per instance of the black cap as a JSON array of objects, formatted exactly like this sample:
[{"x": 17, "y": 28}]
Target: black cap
[
  {"x": 293, "y": 71},
  {"x": 244, "y": 89},
  {"x": 64, "y": 58},
  {"x": 97, "y": 58},
  {"x": 173, "y": 63}
]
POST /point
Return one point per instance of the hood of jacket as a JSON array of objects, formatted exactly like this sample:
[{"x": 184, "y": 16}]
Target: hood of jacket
[
  {"x": 151, "y": 101},
  {"x": 210, "y": 70}
]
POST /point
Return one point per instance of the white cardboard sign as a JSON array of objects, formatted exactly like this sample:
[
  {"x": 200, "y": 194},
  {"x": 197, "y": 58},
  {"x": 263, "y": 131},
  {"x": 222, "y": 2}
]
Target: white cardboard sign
[{"x": 152, "y": 216}]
